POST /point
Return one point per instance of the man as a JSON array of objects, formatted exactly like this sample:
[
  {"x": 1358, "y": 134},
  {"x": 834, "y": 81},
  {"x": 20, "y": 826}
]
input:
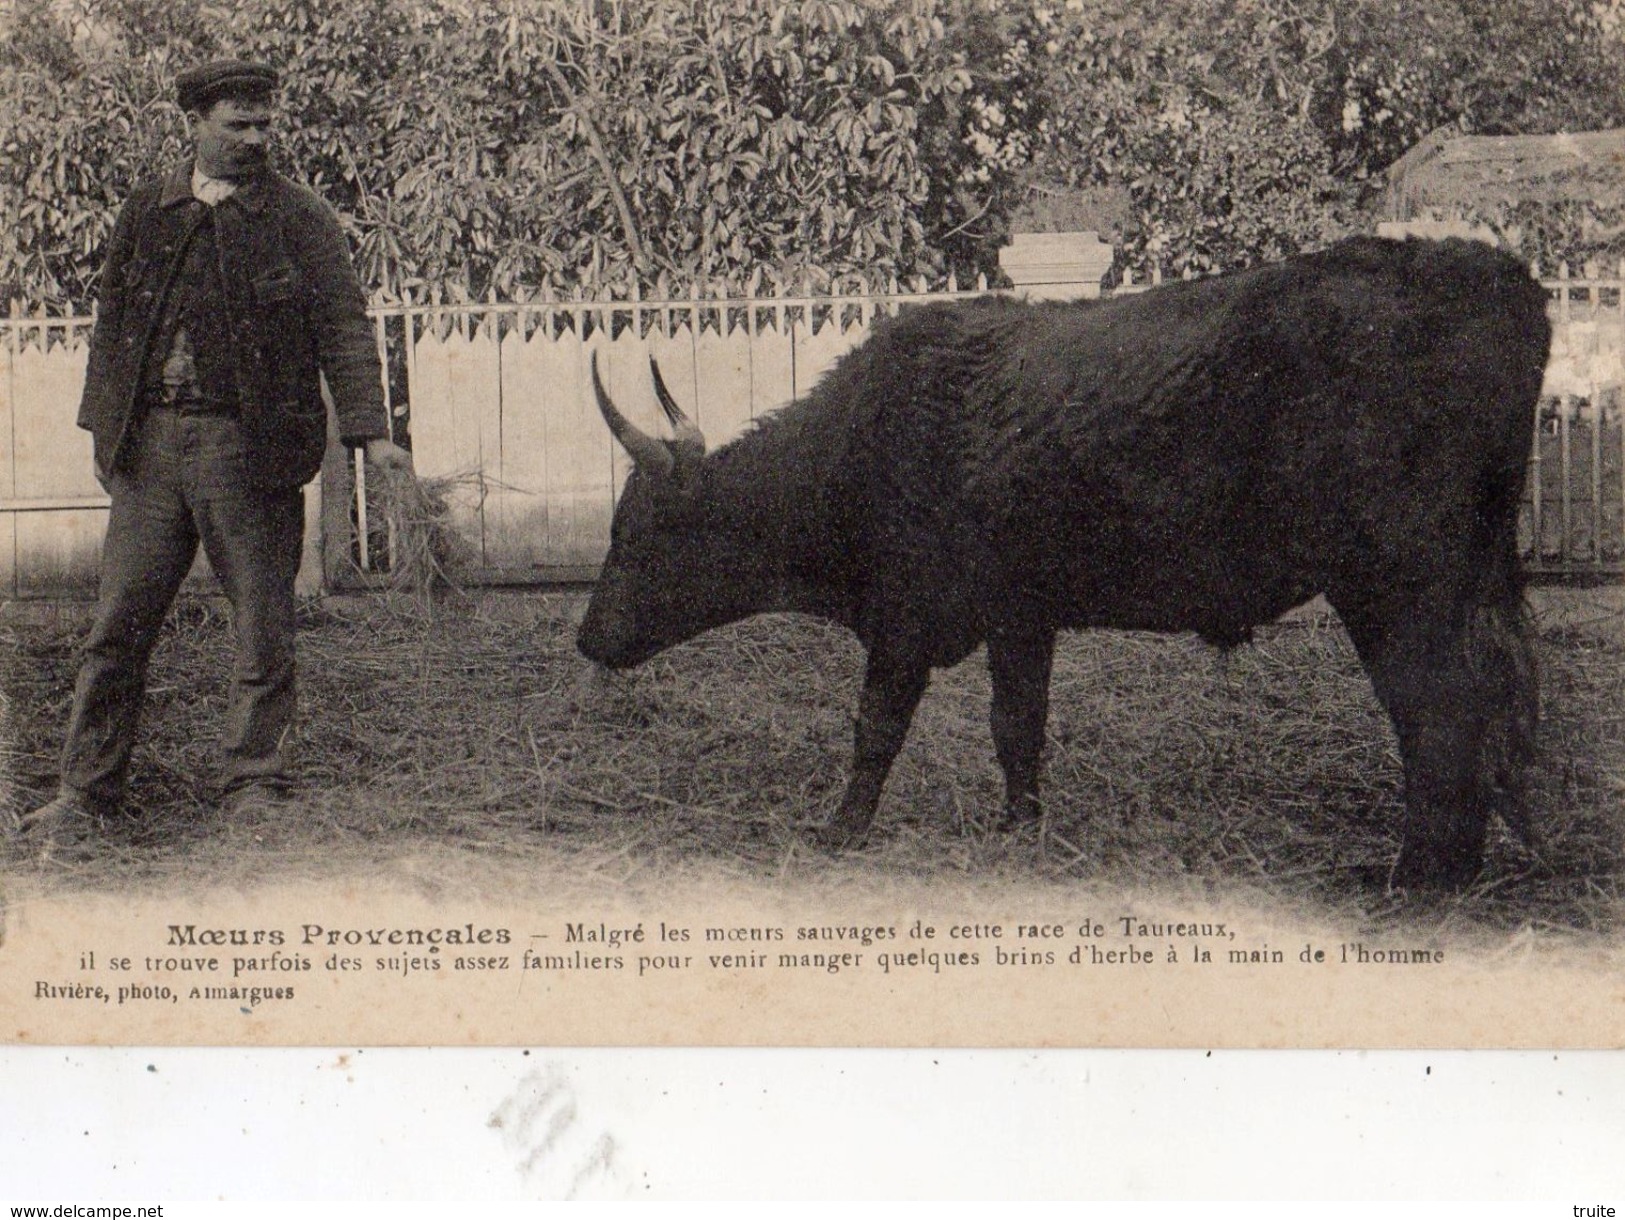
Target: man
[{"x": 227, "y": 290}]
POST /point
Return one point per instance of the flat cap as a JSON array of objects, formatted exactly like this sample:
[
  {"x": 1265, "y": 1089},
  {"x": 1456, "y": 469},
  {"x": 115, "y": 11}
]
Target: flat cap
[{"x": 200, "y": 87}]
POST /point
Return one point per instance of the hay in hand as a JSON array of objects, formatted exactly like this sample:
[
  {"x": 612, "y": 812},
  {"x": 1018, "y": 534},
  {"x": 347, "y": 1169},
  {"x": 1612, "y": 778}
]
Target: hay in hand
[{"x": 420, "y": 516}]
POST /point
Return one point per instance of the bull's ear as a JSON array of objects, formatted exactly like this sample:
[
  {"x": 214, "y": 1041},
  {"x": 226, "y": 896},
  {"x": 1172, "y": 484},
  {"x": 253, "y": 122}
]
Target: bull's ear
[
  {"x": 648, "y": 453},
  {"x": 688, "y": 435}
]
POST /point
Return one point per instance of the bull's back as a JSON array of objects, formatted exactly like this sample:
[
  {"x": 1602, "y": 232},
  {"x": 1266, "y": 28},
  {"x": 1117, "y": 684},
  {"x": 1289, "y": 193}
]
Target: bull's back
[{"x": 1206, "y": 455}]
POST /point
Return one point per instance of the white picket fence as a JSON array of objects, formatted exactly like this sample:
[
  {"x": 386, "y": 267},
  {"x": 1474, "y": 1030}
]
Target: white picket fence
[
  {"x": 499, "y": 405},
  {"x": 52, "y": 511}
]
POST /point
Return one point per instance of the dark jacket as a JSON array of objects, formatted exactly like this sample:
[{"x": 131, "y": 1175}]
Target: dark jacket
[{"x": 295, "y": 308}]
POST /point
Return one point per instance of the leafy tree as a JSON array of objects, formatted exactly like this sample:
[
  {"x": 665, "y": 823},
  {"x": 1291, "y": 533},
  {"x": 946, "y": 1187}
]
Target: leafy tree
[
  {"x": 1245, "y": 129},
  {"x": 515, "y": 147}
]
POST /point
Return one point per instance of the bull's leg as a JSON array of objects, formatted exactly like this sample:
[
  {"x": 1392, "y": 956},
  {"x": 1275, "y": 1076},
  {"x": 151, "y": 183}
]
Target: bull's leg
[
  {"x": 1503, "y": 668},
  {"x": 1020, "y": 664},
  {"x": 892, "y": 686},
  {"x": 1445, "y": 822},
  {"x": 1419, "y": 664}
]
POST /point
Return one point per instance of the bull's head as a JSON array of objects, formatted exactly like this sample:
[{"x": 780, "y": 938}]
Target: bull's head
[{"x": 658, "y": 585}]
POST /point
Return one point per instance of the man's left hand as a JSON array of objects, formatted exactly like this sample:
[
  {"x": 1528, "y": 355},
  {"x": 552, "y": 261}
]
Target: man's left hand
[{"x": 387, "y": 456}]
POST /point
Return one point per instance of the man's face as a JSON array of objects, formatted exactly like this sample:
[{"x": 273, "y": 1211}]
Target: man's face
[{"x": 232, "y": 138}]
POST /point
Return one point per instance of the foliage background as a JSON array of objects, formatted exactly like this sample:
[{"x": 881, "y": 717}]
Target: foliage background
[{"x": 508, "y": 148}]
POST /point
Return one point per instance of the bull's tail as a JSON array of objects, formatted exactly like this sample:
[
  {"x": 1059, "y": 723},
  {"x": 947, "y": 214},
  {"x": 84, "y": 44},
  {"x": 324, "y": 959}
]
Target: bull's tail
[{"x": 1505, "y": 682}]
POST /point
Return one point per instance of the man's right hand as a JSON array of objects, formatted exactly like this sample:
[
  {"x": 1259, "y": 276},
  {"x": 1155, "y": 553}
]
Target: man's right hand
[{"x": 388, "y": 457}]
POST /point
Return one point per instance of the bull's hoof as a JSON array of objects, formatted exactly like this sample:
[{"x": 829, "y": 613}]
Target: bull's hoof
[
  {"x": 1516, "y": 816},
  {"x": 1430, "y": 869},
  {"x": 837, "y": 837},
  {"x": 1018, "y": 815}
]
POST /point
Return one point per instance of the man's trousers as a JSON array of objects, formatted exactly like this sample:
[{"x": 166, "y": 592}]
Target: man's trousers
[{"x": 186, "y": 482}]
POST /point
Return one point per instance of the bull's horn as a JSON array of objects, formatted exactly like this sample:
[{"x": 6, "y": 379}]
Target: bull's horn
[
  {"x": 647, "y": 452},
  {"x": 686, "y": 431}
]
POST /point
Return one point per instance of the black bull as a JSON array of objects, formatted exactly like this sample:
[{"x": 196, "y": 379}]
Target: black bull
[{"x": 1202, "y": 457}]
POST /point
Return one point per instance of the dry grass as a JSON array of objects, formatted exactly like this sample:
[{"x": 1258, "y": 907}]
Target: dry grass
[
  {"x": 1267, "y": 775},
  {"x": 424, "y": 544}
]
